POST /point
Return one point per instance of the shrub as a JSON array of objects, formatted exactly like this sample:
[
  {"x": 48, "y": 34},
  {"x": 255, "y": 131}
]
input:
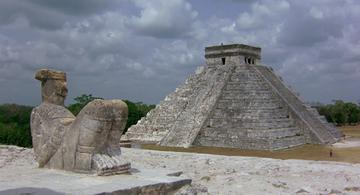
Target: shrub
[
  {"x": 340, "y": 112},
  {"x": 15, "y": 125}
]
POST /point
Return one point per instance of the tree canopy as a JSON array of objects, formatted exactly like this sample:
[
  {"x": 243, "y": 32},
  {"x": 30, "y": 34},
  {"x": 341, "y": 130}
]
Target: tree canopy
[
  {"x": 15, "y": 125},
  {"x": 340, "y": 112},
  {"x": 15, "y": 119},
  {"x": 80, "y": 102}
]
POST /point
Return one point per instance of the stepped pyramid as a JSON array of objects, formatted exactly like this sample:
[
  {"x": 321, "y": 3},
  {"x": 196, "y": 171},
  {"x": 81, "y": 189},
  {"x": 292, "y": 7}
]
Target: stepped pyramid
[{"x": 236, "y": 102}]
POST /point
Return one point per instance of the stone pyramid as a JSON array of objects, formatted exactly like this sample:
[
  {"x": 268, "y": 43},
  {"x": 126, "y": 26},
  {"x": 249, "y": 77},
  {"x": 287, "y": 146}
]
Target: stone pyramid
[{"x": 236, "y": 102}]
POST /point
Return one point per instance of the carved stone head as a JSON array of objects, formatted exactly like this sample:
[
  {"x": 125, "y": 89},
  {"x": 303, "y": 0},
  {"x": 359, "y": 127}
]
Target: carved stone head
[{"x": 53, "y": 86}]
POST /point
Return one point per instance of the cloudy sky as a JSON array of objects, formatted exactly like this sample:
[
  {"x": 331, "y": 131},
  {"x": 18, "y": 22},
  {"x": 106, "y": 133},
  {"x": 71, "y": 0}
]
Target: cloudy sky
[{"x": 141, "y": 50}]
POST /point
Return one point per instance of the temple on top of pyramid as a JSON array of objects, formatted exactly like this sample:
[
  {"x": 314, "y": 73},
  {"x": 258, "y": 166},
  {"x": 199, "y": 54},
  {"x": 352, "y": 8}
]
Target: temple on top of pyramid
[
  {"x": 233, "y": 101},
  {"x": 232, "y": 54}
]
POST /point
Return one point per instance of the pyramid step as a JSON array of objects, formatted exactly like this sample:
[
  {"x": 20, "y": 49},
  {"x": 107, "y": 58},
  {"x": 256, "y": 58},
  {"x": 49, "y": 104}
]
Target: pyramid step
[
  {"x": 274, "y": 133},
  {"x": 248, "y": 105},
  {"x": 287, "y": 142},
  {"x": 248, "y": 95},
  {"x": 260, "y": 133},
  {"x": 333, "y": 130},
  {"x": 251, "y": 124},
  {"x": 242, "y": 70},
  {"x": 255, "y": 115},
  {"x": 232, "y": 107},
  {"x": 249, "y": 98},
  {"x": 250, "y": 144},
  {"x": 247, "y": 82},
  {"x": 251, "y": 109},
  {"x": 243, "y": 80},
  {"x": 246, "y": 87},
  {"x": 245, "y": 76},
  {"x": 313, "y": 110},
  {"x": 250, "y": 114},
  {"x": 163, "y": 120},
  {"x": 249, "y": 120},
  {"x": 322, "y": 118},
  {"x": 247, "y": 73},
  {"x": 275, "y": 125},
  {"x": 250, "y": 101}
]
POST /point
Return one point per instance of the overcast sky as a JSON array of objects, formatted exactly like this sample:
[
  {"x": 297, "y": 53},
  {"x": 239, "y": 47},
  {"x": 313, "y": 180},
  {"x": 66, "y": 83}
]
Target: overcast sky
[{"x": 141, "y": 50}]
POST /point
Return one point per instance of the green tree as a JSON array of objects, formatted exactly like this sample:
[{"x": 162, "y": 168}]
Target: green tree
[
  {"x": 325, "y": 110},
  {"x": 341, "y": 112},
  {"x": 80, "y": 103},
  {"x": 353, "y": 113},
  {"x": 15, "y": 125},
  {"x": 136, "y": 110}
]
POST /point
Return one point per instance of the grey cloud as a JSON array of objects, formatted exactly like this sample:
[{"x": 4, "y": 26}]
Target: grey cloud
[
  {"x": 300, "y": 29},
  {"x": 262, "y": 14},
  {"x": 53, "y": 14},
  {"x": 144, "y": 52},
  {"x": 79, "y": 7},
  {"x": 12, "y": 10},
  {"x": 163, "y": 19}
]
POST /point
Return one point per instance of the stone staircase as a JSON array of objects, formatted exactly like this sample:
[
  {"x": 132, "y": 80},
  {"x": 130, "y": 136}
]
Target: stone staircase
[
  {"x": 308, "y": 119},
  {"x": 201, "y": 101},
  {"x": 249, "y": 115},
  {"x": 330, "y": 127},
  {"x": 174, "y": 121},
  {"x": 155, "y": 126}
]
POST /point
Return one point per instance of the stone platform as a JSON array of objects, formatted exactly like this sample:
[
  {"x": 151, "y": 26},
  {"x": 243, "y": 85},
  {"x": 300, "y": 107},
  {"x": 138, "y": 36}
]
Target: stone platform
[
  {"x": 21, "y": 176},
  {"x": 212, "y": 174}
]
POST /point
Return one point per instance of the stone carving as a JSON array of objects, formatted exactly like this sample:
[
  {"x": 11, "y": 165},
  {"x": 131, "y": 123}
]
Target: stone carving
[
  {"x": 88, "y": 143},
  {"x": 236, "y": 102}
]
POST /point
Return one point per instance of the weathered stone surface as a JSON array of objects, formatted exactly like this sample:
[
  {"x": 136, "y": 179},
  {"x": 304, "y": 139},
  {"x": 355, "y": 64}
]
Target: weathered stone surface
[
  {"x": 210, "y": 174},
  {"x": 19, "y": 175},
  {"x": 53, "y": 86},
  {"x": 86, "y": 143},
  {"x": 233, "y": 102}
]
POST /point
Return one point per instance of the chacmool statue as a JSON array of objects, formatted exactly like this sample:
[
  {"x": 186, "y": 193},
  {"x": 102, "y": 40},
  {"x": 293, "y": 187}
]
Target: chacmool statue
[{"x": 88, "y": 143}]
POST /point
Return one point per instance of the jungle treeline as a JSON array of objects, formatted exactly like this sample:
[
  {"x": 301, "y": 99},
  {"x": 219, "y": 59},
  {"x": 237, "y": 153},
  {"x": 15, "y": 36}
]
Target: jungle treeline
[
  {"x": 340, "y": 112},
  {"x": 15, "y": 119}
]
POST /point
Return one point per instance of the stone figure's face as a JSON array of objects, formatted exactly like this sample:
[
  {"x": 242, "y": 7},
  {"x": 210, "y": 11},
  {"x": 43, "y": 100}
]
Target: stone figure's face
[
  {"x": 54, "y": 91},
  {"x": 61, "y": 91}
]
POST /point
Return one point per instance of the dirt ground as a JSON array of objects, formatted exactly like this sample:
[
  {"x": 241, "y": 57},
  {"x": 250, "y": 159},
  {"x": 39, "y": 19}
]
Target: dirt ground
[
  {"x": 347, "y": 150},
  {"x": 351, "y": 130}
]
